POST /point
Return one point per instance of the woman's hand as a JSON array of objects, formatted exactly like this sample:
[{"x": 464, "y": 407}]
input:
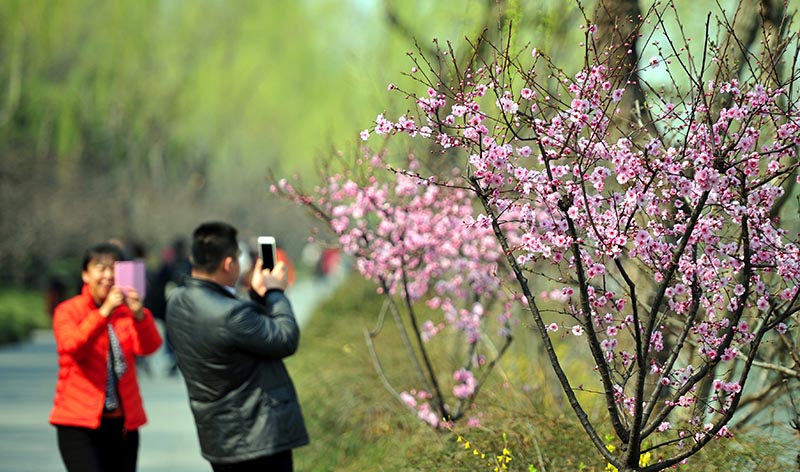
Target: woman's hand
[
  {"x": 134, "y": 302},
  {"x": 114, "y": 299}
]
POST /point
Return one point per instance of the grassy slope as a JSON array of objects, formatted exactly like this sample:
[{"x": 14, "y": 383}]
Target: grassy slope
[{"x": 356, "y": 425}]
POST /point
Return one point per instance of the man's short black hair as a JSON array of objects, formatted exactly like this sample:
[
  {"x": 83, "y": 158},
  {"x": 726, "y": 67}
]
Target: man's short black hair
[
  {"x": 102, "y": 249},
  {"x": 212, "y": 242}
]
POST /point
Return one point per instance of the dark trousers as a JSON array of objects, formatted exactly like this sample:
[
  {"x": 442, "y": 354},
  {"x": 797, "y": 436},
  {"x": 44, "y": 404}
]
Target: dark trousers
[
  {"x": 107, "y": 449},
  {"x": 280, "y": 462}
]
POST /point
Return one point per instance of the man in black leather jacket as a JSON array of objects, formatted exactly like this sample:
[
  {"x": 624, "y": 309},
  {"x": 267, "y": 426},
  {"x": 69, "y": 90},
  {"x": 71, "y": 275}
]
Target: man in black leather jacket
[{"x": 230, "y": 352}]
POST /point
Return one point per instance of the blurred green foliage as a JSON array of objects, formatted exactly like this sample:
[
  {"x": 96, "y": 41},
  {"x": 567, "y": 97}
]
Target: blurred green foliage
[
  {"x": 169, "y": 83},
  {"x": 21, "y": 313},
  {"x": 140, "y": 118}
]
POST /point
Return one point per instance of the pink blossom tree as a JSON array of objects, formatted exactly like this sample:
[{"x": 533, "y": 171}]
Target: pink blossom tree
[
  {"x": 408, "y": 235},
  {"x": 674, "y": 267}
]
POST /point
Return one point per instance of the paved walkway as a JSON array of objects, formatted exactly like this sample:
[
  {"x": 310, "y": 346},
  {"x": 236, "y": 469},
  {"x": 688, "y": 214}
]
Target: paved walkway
[
  {"x": 168, "y": 442},
  {"x": 28, "y": 442}
]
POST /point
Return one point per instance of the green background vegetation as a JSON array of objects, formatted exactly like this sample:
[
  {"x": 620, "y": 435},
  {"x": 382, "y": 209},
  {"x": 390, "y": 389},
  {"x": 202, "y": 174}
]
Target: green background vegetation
[
  {"x": 138, "y": 119},
  {"x": 20, "y": 313}
]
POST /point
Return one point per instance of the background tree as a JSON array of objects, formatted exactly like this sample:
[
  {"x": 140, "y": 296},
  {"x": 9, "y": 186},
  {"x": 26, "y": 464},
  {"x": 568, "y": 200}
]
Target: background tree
[{"x": 139, "y": 118}]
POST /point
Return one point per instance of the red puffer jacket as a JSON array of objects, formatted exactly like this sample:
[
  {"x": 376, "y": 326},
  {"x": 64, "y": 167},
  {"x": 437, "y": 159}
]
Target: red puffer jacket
[{"x": 82, "y": 342}]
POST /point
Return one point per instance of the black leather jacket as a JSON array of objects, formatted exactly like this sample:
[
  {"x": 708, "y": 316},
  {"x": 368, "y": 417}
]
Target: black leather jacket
[{"x": 230, "y": 352}]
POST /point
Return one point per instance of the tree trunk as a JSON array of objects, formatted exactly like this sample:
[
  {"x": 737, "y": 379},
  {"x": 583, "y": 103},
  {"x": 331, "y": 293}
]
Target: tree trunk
[{"x": 618, "y": 24}]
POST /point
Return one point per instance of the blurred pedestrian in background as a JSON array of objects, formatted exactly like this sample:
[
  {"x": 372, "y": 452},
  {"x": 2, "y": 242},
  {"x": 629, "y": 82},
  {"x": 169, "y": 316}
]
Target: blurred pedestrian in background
[{"x": 173, "y": 271}]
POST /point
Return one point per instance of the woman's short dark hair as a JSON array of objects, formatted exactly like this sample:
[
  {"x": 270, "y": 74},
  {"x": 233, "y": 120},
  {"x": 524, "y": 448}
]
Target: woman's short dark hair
[
  {"x": 212, "y": 242},
  {"x": 98, "y": 250}
]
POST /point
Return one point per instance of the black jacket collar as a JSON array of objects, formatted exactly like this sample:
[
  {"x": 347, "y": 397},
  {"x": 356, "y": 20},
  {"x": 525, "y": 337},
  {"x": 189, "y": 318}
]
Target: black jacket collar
[{"x": 209, "y": 285}]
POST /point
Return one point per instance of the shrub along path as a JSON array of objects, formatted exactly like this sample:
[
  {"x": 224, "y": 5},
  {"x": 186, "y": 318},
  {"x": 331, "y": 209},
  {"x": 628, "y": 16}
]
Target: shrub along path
[{"x": 168, "y": 442}]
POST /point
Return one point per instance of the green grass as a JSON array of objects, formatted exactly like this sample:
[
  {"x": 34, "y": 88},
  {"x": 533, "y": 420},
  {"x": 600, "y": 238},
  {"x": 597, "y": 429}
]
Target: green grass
[
  {"x": 20, "y": 313},
  {"x": 356, "y": 425}
]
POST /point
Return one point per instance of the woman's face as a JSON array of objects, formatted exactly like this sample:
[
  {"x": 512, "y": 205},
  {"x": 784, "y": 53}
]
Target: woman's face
[{"x": 99, "y": 276}]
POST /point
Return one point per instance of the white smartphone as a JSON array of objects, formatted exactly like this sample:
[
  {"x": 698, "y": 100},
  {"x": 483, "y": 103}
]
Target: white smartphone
[{"x": 268, "y": 254}]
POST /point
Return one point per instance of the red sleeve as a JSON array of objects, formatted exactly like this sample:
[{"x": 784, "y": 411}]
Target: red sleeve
[
  {"x": 75, "y": 326},
  {"x": 147, "y": 336}
]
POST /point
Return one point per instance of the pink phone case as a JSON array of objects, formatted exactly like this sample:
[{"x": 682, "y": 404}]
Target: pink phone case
[{"x": 130, "y": 274}]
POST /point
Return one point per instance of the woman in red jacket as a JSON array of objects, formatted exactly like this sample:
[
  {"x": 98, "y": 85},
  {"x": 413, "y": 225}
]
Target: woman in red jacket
[{"x": 97, "y": 408}]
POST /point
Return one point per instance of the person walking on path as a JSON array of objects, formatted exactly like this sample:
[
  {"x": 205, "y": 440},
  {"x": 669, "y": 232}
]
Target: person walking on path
[
  {"x": 230, "y": 352},
  {"x": 172, "y": 273},
  {"x": 98, "y": 409}
]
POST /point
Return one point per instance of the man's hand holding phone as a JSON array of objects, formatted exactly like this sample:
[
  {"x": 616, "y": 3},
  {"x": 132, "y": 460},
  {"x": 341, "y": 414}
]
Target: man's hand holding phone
[
  {"x": 265, "y": 279},
  {"x": 268, "y": 249},
  {"x": 268, "y": 271}
]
